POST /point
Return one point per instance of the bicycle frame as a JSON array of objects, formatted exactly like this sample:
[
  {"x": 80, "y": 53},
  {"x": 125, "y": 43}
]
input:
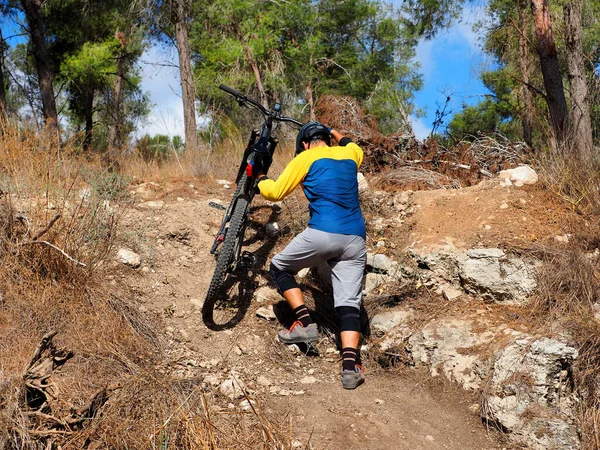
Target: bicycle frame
[{"x": 260, "y": 142}]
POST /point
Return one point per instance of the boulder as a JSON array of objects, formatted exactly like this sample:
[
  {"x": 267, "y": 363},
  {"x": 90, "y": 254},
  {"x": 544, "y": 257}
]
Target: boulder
[
  {"x": 448, "y": 347},
  {"x": 492, "y": 275},
  {"x": 533, "y": 375},
  {"x": 519, "y": 176},
  {"x": 381, "y": 263},
  {"x": 373, "y": 281}
]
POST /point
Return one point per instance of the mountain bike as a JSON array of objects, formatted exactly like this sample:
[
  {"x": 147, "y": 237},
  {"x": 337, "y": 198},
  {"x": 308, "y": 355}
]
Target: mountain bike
[{"x": 219, "y": 311}]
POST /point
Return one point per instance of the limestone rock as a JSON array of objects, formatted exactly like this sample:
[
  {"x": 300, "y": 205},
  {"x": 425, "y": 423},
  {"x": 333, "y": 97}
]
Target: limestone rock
[
  {"x": 533, "y": 375},
  {"x": 266, "y": 312},
  {"x": 381, "y": 263},
  {"x": 232, "y": 388},
  {"x": 443, "y": 346},
  {"x": 374, "y": 280},
  {"x": 153, "y": 205},
  {"x": 265, "y": 294},
  {"x": 494, "y": 276},
  {"x": 363, "y": 185},
  {"x": 385, "y": 321},
  {"x": 129, "y": 258},
  {"x": 520, "y": 175}
]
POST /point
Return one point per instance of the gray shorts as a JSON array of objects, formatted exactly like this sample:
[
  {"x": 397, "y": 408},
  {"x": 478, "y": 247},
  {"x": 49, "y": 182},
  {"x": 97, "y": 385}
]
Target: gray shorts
[{"x": 345, "y": 254}]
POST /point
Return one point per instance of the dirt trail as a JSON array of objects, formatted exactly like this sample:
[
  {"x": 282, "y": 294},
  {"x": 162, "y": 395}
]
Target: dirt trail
[{"x": 392, "y": 410}]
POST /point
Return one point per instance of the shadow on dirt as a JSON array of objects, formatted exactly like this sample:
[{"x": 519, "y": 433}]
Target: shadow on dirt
[{"x": 239, "y": 286}]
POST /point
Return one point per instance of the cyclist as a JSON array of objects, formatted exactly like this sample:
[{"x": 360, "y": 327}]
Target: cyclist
[{"x": 335, "y": 234}]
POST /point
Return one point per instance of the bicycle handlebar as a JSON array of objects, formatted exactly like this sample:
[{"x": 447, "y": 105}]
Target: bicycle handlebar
[{"x": 243, "y": 99}]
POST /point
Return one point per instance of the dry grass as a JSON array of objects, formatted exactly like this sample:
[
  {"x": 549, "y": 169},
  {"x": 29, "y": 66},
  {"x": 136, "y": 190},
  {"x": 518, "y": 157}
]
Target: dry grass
[
  {"x": 566, "y": 298},
  {"x": 59, "y": 221}
]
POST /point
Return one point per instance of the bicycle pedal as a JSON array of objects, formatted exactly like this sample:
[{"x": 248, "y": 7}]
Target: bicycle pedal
[{"x": 216, "y": 206}]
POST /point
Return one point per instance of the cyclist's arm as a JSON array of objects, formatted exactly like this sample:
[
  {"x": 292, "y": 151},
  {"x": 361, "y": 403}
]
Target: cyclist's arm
[
  {"x": 291, "y": 177},
  {"x": 344, "y": 141}
]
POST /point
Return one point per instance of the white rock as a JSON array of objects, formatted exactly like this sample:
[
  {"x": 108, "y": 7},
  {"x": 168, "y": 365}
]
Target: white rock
[
  {"x": 266, "y": 312},
  {"x": 519, "y": 176},
  {"x": 373, "y": 281},
  {"x": 363, "y": 185},
  {"x": 223, "y": 182},
  {"x": 265, "y": 294},
  {"x": 303, "y": 272},
  {"x": 196, "y": 303},
  {"x": 385, "y": 321},
  {"x": 450, "y": 292},
  {"x": 154, "y": 205},
  {"x": 442, "y": 346},
  {"x": 211, "y": 379},
  {"x": 232, "y": 389},
  {"x": 308, "y": 380},
  {"x": 129, "y": 258},
  {"x": 263, "y": 381},
  {"x": 247, "y": 405}
]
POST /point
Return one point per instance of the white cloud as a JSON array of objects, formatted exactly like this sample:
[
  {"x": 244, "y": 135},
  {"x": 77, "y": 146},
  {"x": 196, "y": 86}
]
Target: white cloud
[
  {"x": 420, "y": 129},
  {"x": 160, "y": 75}
]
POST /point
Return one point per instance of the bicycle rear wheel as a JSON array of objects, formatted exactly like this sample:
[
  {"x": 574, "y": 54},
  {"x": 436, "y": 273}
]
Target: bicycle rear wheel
[{"x": 225, "y": 302}]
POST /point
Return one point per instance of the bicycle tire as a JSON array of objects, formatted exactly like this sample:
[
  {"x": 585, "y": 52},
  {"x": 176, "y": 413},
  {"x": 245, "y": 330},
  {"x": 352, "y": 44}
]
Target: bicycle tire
[{"x": 223, "y": 267}]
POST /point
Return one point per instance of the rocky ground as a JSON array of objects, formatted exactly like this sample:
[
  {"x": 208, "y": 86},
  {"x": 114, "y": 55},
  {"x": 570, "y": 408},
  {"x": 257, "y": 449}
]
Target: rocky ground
[{"x": 442, "y": 294}]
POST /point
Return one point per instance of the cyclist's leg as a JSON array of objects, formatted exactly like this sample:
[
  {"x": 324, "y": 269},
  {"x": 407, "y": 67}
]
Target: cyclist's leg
[
  {"x": 308, "y": 249},
  {"x": 346, "y": 276}
]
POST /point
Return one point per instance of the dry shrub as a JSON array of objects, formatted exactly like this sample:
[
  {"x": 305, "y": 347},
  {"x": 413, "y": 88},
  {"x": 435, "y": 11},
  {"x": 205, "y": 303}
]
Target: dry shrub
[
  {"x": 464, "y": 164},
  {"x": 574, "y": 179},
  {"x": 73, "y": 206},
  {"x": 415, "y": 178},
  {"x": 568, "y": 290},
  {"x": 171, "y": 414}
]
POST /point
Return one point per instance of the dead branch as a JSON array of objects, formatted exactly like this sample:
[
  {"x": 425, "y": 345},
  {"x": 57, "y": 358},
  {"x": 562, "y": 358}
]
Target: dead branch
[
  {"x": 47, "y": 228},
  {"x": 70, "y": 258}
]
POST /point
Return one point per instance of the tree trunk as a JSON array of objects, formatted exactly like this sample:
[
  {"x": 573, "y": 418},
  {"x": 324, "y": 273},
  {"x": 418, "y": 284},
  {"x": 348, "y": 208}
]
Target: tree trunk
[
  {"x": 581, "y": 122},
  {"x": 525, "y": 67},
  {"x": 257, "y": 77},
  {"x": 181, "y": 8},
  {"x": 311, "y": 101},
  {"x": 87, "y": 99},
  {"x": 33, "y": 12},
  {"x": 114, "y": 135},
  {"x": 555, "y": 94},
  {"x": 3, "y": 108}
]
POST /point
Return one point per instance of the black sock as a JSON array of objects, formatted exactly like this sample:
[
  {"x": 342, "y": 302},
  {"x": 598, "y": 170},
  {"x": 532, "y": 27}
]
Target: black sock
[
  {"x": 349, "y": 358},
  {"x": 302, "y": 315}
]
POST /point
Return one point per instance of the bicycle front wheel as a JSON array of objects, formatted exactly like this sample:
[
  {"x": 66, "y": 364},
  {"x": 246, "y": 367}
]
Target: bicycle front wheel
[{"x": 224, "y": 303}]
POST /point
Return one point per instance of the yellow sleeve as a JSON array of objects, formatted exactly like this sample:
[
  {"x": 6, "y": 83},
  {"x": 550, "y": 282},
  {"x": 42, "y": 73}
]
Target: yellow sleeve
[
  {"x": 358, "y": 153},
  {"x": 291, "y": 177}
]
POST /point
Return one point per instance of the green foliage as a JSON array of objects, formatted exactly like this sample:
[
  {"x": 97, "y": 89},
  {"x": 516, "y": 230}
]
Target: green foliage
[
  {"x": 355, "y": 47},
  {"x": 158, "y": 147}
]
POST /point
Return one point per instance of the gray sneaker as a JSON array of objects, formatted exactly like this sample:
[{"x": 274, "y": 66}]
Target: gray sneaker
[
  {"x": 298, "y": 334},
  {"x": 351, "y": 379}
]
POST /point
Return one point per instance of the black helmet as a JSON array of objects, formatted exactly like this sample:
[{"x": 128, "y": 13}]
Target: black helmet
[{"x": 310, "y": 131}]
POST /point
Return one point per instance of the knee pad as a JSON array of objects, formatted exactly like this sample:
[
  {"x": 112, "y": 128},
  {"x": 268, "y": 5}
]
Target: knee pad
[
  {"x": 283, "y": 280},
  {"x": 349, "y": 318}
]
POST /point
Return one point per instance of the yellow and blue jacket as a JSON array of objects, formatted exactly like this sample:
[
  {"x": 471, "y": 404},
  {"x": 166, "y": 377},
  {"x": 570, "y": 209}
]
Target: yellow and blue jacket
[{"x": 328, "y": 177}]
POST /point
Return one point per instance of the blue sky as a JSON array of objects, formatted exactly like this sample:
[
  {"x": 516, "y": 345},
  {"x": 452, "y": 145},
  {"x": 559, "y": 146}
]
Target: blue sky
[{"x": 450, "y": 64}]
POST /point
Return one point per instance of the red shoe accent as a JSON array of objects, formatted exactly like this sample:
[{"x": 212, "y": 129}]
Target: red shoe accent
[{"x": 295, "y": 324}]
